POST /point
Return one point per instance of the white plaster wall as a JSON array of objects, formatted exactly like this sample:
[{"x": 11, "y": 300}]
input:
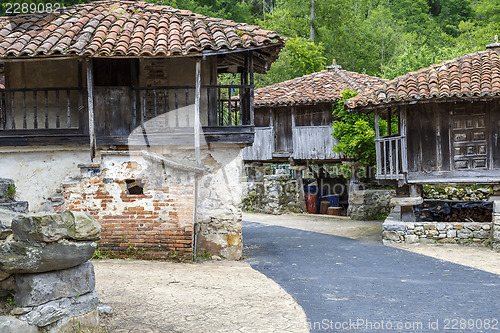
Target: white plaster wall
[
  {"x": 38, "y": 172},
  {"x": 220, "y": 190}
]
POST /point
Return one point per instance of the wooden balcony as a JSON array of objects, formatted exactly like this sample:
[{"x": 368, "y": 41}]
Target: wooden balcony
[
  {"x": 391, "y": 158},
  {"x": 47, "y": 116}
]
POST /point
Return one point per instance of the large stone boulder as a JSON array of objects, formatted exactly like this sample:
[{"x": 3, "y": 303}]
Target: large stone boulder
[
  {"x": 81, "y": 226},
  {"x": 61, "y": 310},
  {"x": 37, "y": 289},
  {"x": 9, "y": 324},
  {"x": 51, "y": 227},
  {"x": 29, "y": 257}
]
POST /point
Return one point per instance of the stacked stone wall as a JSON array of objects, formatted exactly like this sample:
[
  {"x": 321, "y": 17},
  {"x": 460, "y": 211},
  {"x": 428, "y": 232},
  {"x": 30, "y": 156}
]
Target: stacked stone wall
[
  {"x": 467, "y": 233},
  {"x": 277, "y": 194},
  {"x": 365, "y": 205}
]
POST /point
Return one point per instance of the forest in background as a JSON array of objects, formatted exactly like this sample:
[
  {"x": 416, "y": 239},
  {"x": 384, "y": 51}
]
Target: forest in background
[{"x": 383, "y": 38}]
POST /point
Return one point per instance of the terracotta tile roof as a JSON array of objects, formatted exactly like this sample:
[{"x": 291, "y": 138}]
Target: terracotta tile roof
[
  {"x": 128, "y": 28},
  {"x": 321, "y": 87},
  {"x": 475, "y": 75}
]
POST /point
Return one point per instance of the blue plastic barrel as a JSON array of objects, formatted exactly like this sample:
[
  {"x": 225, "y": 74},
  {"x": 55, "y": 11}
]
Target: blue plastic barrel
[{"x": 332, "y": 198}]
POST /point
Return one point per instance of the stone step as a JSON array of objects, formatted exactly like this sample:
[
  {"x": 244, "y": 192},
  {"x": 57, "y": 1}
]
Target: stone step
[{"x": 15, "y": 206}]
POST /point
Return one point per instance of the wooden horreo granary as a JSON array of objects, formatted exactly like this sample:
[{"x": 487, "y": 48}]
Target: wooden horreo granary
[
  {"x": 448, "y": 122},
  {"x": 110, "y": 89},
  {"x": 448, "y": 125},
  {"x": 293, "y": 119}
]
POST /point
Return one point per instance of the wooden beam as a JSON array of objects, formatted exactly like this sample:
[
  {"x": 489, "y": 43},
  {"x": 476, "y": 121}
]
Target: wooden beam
[
  {"x": 90, "y": 101},
  {"x": 250, "y": 64},
  {"x": 377, "y": 145},
  {"x": 197, "y": 123}
]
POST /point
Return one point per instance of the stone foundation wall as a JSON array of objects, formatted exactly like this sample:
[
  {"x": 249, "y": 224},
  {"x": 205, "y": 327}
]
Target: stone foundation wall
[
  {"x": 368, "y": 205},
  {"x": 277, "y": 194},
  {"x": 469, "y": 233}
]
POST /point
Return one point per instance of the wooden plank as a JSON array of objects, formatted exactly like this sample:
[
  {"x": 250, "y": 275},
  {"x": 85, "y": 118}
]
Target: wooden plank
[
  {"x": 456, "y": 177},
  {"x": 43, "y": 140},
  {"x": 58, "y": 111},
  {"x": 495, "y": 123},
  {"x": 68, "y": 108},
  {"x": 439, "y": 154},
  {"x": 398, "y": 143},
  {"x": 251, "y": 102},
  {"x": 378, "y": 156},
  {"x": 314, "y": 143},
  {"x": 90, "y": 107},
  {"x": 262, "y": 149},
  {"x": 404, "y": 143},
  {"x": 391, "y": 162},
  {"x": 25, "y": 123},
  {"x": 46, "y": 109},
  {"x": 413, "y": 139},
  {"x": 35, "y": 111}
]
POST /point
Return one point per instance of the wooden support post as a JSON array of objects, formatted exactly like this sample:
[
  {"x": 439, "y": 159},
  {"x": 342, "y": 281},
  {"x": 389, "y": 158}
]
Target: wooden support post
[
  {"x": 252, "y": 123},
  {"x": 90, "y": 101},
  {"x": 377, "y": 145},
  {"x": 133, "y": 95},
  {"x": 197, "y": 149},
  {"x": 197, "y": 124}
]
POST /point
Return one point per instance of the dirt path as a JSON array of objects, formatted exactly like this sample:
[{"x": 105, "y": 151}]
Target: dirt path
[
  {"x": 476, "y": 257},
  {"x": 214, "y": 296}
]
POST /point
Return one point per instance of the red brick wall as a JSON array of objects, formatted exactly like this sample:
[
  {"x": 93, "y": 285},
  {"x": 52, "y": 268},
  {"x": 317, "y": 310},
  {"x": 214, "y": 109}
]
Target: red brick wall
[{"x": 155, "y": 225}]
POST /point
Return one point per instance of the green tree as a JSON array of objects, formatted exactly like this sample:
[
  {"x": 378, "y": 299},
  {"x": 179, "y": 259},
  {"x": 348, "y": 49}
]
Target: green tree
[
  {"x": 354, "y": 132},
  {"x": 299, "y": 57}
]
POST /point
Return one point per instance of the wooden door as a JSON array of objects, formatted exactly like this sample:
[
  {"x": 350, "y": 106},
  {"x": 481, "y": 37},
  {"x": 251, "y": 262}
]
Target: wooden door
[
  {"x": 283, "y": 130},
  {"x": 469, "y": 137}
]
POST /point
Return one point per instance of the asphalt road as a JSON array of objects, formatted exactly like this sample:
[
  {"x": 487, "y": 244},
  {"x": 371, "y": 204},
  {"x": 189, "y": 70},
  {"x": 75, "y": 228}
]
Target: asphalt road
[{"x": 347, "y": 285}]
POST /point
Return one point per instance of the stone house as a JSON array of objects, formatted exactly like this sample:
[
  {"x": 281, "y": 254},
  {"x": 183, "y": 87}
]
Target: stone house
[
  {"x": 447, "y": 126},
  {"x": 115, "y": 108}
]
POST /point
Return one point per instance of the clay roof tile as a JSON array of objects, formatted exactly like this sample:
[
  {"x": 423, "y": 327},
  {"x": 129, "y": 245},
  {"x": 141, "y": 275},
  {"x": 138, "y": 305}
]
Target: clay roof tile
[
  {"x": 321, "y": 87},
  {"x": 120, "y": 27}
]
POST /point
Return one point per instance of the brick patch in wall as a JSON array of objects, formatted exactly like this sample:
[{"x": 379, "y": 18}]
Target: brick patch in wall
[{"x": 157, "y": 224}]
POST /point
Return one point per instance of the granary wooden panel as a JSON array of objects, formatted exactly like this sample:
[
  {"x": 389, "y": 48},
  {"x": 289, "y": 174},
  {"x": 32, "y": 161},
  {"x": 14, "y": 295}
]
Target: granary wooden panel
[
  {"x": 314, "y": 143},
  {"x": 112, "y": 111},
  {"x": 283, "y": 130},
  {"x": 469, "y": 137},
  {"x": 263, "y": 146}
]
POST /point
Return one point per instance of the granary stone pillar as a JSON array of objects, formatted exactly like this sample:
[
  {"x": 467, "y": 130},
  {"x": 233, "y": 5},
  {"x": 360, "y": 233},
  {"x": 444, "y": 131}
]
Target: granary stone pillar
[
  {"x": 496, "y": 225},
  {"x": 408, "y": 197}
]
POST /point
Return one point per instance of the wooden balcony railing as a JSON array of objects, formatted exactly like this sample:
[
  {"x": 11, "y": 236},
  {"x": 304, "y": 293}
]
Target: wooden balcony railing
[
  {"x": 391, "y": 158},
  {"x": 41, "y": 108},
  {"x": 223, "y": 105}
]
